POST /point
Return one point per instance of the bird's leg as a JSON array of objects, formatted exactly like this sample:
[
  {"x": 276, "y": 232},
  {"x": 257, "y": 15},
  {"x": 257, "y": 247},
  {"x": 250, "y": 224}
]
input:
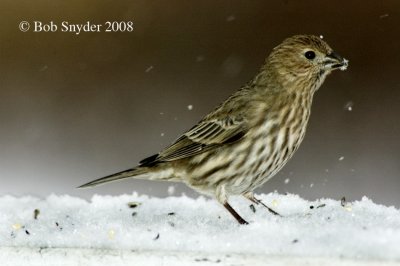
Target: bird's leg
[
  {"x": 250, "y": 196},
  {"x": 222, "y": 197},
  {"x": 235, "y": 214}
]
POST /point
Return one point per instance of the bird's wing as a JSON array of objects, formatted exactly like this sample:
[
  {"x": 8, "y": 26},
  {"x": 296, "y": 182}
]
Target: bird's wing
[{"x": 205, "y": 136}]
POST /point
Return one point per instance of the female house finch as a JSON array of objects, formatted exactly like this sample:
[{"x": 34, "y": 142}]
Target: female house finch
[{"x": 249, "y": 137}]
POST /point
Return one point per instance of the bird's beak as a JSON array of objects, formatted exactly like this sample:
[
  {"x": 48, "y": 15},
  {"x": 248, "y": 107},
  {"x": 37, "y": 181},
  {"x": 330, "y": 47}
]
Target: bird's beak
[{"x": 335, "y": 61}]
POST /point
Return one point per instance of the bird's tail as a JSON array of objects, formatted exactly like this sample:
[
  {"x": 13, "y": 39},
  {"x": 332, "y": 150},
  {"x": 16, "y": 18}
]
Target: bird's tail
[{"x": 133, "y": 172}]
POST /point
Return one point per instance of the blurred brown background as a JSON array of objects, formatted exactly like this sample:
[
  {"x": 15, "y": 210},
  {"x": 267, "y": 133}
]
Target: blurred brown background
[{"x": 78, "y": 107}]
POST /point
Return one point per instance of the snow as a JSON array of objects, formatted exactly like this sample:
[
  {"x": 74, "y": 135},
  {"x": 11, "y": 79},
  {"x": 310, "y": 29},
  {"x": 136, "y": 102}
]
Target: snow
[
  {"x": 148, "y": 69},
  {"x": 171, "y": 190},
  {"x": 325, "y": 228},
  {"x": 96, "y": 257},
  {"x": 199, "y": 58},
  {"x": 230, "y": 18},
  {"x": 349, "y": 106},
  {"x": 345, "y": 64}
]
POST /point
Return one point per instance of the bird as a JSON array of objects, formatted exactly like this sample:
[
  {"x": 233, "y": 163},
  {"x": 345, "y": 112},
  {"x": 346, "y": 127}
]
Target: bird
[{"x": 251, "y": 135}]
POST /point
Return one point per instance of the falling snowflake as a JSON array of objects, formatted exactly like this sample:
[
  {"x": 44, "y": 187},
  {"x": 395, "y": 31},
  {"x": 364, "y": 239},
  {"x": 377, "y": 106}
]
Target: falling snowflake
[
  {"x": 150, "y": 68},
  {"x": 349, "y": 106},
  {"x": 199, "y": 58},
  {"x": 171, "y": 190},
  {"x": 230, "y": 18}
]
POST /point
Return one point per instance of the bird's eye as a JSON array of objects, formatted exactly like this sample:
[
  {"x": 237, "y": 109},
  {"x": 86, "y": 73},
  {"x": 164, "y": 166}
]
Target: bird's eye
[{"x": 310, "y": 55}]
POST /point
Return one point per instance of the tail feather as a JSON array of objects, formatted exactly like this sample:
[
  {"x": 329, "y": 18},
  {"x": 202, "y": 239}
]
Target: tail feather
[{"x": 117, "y": 176}]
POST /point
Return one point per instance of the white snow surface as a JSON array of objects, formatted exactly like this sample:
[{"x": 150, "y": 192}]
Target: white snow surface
[{"x": 323, "y": 228}]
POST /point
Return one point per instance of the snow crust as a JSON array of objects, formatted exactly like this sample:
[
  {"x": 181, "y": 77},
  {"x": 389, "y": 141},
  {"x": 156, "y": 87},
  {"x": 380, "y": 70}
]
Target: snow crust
[
  {"x": 107, "y": 257},
  {"x": 323, "y": 228}
]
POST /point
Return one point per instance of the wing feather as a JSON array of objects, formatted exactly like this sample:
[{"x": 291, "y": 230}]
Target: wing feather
[{"x": 205, "y": 136}]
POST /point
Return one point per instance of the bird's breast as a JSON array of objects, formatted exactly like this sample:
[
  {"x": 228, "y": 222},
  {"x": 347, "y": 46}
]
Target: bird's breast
[{"x": 276, "y": 139}]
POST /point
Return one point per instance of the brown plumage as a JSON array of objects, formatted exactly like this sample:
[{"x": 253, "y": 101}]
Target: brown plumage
[{"x": 248, "y": 138}]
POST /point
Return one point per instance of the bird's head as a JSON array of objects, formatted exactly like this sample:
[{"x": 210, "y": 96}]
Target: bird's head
[{"x": 303, "y": 60}]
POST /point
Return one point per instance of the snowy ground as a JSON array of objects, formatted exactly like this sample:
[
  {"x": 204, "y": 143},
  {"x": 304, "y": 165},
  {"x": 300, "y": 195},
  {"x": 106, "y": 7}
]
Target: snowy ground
[{"x": 200, "y": 230}]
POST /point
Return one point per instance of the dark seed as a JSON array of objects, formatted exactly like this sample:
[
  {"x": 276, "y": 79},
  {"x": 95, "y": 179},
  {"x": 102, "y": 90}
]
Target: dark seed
[
  {"x": 134, "y": 214},
  {"x": 59, "y": 227},
  {"x": 252, "y": 208},
  {"x": 36, "y": 213},
  {"x": 203, "y": 259},
  {"x": 133, "y": 205},
  {"x": 311, "y": 207},
  {"x": 171, "y": 213},
  {"x": 295, "y": 241},
  {"x": 343, "y": 201},
  {"x": 27, "y": 232},
  {"x": 321, "y": 206},
  {"x": 157, "y": 237}
]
